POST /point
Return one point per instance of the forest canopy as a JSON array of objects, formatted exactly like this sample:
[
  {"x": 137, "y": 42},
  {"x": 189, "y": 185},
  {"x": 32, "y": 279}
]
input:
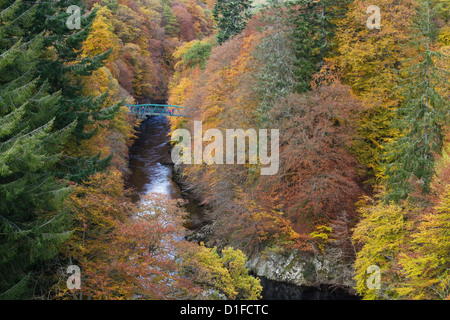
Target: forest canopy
[{"x": 363, "y": 115}]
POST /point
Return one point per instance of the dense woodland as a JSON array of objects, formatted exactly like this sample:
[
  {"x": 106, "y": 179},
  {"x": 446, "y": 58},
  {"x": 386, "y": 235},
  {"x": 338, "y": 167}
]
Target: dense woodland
[{"x": 364, "y": 175}]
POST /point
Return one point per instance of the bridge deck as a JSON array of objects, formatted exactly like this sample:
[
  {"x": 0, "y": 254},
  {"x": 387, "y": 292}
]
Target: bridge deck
[{"x": 143, "y": 110}]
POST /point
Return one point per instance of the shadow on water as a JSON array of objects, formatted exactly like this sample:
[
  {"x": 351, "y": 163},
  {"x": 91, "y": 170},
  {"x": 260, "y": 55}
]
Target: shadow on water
[
  {"x": 149, "y": 160},
  {"x": 276, "y": 290}
]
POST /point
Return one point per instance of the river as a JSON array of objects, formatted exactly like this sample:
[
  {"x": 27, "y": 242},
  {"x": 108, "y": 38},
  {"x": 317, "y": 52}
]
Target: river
[
  {"x": 150, "y": 172},
  {"x": 148, "y": 154}
]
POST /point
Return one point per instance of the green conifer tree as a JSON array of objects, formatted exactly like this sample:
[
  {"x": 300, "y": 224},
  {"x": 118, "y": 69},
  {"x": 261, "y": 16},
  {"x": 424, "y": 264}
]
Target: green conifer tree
[
  {"x": 231, "y": 17},
  {"x": 422, "y": 114},
  {"x": 312, "y": 35},
  {"x": 171, "y": 22},
  {"x": 32, "y": 220},
  {"x": 60, "y": 65},
  {"x": 276, "y": 72}
]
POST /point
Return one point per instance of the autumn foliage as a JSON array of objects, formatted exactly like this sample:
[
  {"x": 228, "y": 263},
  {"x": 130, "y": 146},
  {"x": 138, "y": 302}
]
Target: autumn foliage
[
  {"x": 364, "y": 169},
  {"x": 331, "y": 195},
  {"x": 318, "y": 176}
]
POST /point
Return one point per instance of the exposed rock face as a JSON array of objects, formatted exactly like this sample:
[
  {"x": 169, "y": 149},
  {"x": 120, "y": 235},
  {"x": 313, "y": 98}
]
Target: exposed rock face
[{"x": 300, "y": 269}]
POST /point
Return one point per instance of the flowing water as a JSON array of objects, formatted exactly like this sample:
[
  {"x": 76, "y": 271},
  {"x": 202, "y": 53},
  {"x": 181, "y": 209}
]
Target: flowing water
[
  {"x": 151, "y": 171},
  {"x": 149, "y": 156}
]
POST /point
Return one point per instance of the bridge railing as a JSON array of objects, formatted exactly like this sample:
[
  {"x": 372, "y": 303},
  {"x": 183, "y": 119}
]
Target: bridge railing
[{"x": 155, "y": 110}]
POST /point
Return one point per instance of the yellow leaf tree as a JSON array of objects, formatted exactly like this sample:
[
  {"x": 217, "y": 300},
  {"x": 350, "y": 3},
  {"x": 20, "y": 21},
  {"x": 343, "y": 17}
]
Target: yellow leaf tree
[{"x": 367, "y": 59}]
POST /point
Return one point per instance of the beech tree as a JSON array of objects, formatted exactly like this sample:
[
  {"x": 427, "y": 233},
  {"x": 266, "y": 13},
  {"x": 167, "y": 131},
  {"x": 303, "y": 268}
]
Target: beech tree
[
  {"x": 220, "y": 275},
  {"x": 426, "y": 263},
  {"x": 313, "y": 125},
  {"x": 382, "y": 232},
  {"x": 367, "y": 60},
  {"x": 138, "y": 252}
]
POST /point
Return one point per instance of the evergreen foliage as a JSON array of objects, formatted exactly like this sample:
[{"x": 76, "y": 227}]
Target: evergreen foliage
[
  {"x": 62, "y": 67},
  {"x": 32, "y": 220},
  {"x": 422, "y": 114},
  {"x": 276, "y": 74},
  {"x": 231, "y": 17},
  {"x": 171, "y": 21},
  {"x": 312, "y": 35}
]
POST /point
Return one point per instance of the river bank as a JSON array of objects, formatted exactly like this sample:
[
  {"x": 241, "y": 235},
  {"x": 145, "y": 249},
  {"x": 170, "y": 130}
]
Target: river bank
[{"x": 151, "y": 170}]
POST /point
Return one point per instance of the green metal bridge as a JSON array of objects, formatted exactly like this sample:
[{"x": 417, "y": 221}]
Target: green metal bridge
[{"x": 150, "y": 109}]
